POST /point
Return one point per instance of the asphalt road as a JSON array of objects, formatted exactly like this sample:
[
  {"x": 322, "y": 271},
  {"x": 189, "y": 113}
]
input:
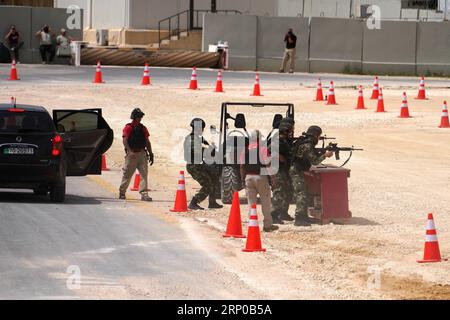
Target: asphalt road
[
  {"x": 57, "y": 74},
  {"x": 120, "y": 249}
]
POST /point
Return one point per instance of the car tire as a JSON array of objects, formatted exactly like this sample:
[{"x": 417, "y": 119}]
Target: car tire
[
  {"x": 231, "y": 182},
  {"x": 58, "y": 193},
  {"x": 40, "y": 191}
]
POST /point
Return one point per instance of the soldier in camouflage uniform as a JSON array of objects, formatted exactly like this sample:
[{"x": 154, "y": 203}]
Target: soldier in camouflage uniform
[
  {"x": 304, "y": 155},
  {"x": 194, "y": 148},
  {"x": 282, "y": 189}
]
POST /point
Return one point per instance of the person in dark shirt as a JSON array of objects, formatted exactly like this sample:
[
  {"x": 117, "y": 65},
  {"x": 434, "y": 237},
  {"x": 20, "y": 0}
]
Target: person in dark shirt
[
  {"x": 13, "y": 41},
  {"x": 289, "y": 53}
]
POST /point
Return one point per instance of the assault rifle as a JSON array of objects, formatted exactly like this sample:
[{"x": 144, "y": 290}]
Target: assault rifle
[{"x": 337, "y": 150}]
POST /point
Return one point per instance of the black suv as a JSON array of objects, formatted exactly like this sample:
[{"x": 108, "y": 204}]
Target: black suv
[{"x": 38, "y": 152}]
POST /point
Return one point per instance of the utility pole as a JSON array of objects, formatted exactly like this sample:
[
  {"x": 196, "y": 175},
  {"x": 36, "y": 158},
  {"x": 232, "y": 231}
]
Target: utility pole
[{"x": 191, "y": 14}]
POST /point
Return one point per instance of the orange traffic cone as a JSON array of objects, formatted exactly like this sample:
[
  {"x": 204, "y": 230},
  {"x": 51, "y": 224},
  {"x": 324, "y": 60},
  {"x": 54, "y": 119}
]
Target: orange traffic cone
[
  {"x": 331, "y": 95},
  {"x": 146, "y": 76},
  {"x": 421, "y": 95},
  {"x": 319, "y": 94},
  {"x": 404, "y": 111},
  {"x": 444, "y": 119},
  {"x": 104, "y": 166},
  {"x": 360, "y": 105},
  {"x": 375, "y": 90},
  {"x": 234, "y": 227},
  {"x": 98, "y": 73},
  {"x": 180, "y": 204},
  {"x": 253, "y": 236},
  {"x": 380, "y": 106},
  {"x": 13, "y": 75},
  {"x": 257, "y": 87},
  {"x": 137, "y": 181},
  {"x": 219, "y": 87},
  {"x": 193, "y": 84},
  {"x": 431, "y": 251}
]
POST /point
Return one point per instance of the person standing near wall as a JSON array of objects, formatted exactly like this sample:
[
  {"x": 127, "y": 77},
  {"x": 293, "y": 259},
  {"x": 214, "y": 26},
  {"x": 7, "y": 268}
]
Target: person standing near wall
[
  {"x": 13, "y": 42},
  {"x": 289, "y": 53},
  {"x": 46, "y": 45}
]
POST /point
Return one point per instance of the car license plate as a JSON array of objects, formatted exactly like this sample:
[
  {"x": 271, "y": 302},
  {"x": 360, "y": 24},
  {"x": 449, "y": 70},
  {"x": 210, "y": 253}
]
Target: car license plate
[{"x": 18, "y": 151}]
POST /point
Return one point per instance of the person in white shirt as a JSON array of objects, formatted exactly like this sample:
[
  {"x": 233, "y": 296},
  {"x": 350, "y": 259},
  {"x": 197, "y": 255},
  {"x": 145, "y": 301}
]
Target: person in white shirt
[{"x": 46, "y": 46}]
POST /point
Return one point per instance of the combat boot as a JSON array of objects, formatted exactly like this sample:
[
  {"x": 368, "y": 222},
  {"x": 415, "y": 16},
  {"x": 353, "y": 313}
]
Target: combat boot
[
  {"x": 193, "y": 205},
  {"x": 276, "y": 219},
  {"x": 286, "y": 217},
  {"x": 214, "y": 205},
  {"x": 146, "y": 197},
  {"x": 301, "y": 221}
]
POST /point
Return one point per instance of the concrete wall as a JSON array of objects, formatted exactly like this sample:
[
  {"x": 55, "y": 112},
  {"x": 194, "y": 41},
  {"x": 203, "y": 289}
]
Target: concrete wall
[
  {"x": 271, "y": 45},
  {"x": 335, "y": 45},
  {"x": 240, "y": 31},
  {"x": 30, "y": 20},
  {"x": 390, "y": 49},
  {"x": 433, "y": 47}
]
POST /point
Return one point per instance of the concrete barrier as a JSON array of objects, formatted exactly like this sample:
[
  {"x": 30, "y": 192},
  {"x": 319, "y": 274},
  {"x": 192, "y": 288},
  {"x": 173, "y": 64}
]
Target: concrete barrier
[
  {"x": 390, "y": 49},
  {"x": 271, "y": 46},
  {"x": 240, "y": 31},
  {"x": 336, "y": 45}
]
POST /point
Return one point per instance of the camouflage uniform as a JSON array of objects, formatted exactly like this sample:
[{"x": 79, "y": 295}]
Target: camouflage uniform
[
  {"x": 305, "y": 151},
  {"x": 193, "y": 146},
  {"x": 282, "y": 187}
]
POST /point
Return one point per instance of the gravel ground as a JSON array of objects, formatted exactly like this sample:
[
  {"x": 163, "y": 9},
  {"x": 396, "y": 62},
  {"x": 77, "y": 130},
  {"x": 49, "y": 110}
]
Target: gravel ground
[{"x": 402, "y": 175}]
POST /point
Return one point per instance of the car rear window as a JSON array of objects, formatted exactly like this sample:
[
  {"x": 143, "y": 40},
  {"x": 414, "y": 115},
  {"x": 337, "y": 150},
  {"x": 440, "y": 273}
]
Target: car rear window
[{"x": 26, "y": 121}]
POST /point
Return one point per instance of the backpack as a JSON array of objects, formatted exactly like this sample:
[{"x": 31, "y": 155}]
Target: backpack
[{"x": 137, "y": 139}]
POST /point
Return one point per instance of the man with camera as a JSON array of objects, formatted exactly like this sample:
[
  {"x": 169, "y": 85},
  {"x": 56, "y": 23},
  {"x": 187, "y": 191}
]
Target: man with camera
[{"x": 289, "y": 53}]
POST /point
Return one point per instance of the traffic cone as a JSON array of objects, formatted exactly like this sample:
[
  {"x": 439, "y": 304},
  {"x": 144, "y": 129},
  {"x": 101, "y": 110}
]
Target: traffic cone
[
  {"x": 380, "y": 106},
  {"x": 253, "y": 236},
  {"x": 421, "y": 95},
  {"x": 193, "y": 84},
  {"x": 444, "y": 119},
  {"x": 431, "y": 250},
  {"x": 219, "y": 87},
  {"x": 360, "y": 105},
  {"x": 404, "y": 111},
  {"x": 319, "y": 94},
  {"x": 180, "y": 204},
  {"x": 234, "y": 227},
  {"x": 257, "y": 87},
  {"x": 375, "y": 90},
  {"x": 13, "y": 75},
  {"x": 98, "y": 73},
  {"x": 331, "y": 95},
  {"x": 104, "y": 166},
  {"x": 137, "y": 181},
  {"x": 146, "y": 76}
]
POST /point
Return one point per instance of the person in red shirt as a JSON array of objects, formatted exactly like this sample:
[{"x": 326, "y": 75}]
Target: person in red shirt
[
  {"x": 13, "y": 42},
  {"x": 138, "y": 153}
]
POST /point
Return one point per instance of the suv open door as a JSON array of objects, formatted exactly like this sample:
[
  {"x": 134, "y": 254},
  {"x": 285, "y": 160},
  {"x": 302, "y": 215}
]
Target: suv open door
[{"x": 86, "y": 137}]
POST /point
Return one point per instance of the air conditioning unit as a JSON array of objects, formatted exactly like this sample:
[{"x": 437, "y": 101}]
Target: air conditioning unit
[{"x": 102, "y": 37}]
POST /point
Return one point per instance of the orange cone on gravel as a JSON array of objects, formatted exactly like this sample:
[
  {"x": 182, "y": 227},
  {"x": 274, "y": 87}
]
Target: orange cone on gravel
[
  {"x": 257, "y": 87},
  {"x": 380, "y": 105},
  {"x": 219, "y": 86},
  {"x": 431, "y": 250},
  {"x": 375, "y": 90},
  {"x": 404, "y": 112},
  {"x": 146, "y": 77},
  {"x": 444, "y": 118},
  {"x": 13, "y": 76},
  {"x": 193, "y": 85},
  {"x": 421, "y": 95},
  {"x": 180, "y": 204},
  {"x": 98, "y": 73},
  {"x": 234, "y": 227},
  {"x": 319, "y": 94},
  {"x": 360, "y": 105},
  {"x": 104, "y": 165},
  {"x": 254, "y": 235},
  {"x": 331, "y": 95}
]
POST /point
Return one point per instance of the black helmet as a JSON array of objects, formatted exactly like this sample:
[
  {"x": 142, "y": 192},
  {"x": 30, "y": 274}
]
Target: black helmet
[
  {"x": 195, "y": 120},
  {"x": 314, "y": 131},
  {"x": 286, "y": 125},
  {"x": 136, "y": 114}
]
